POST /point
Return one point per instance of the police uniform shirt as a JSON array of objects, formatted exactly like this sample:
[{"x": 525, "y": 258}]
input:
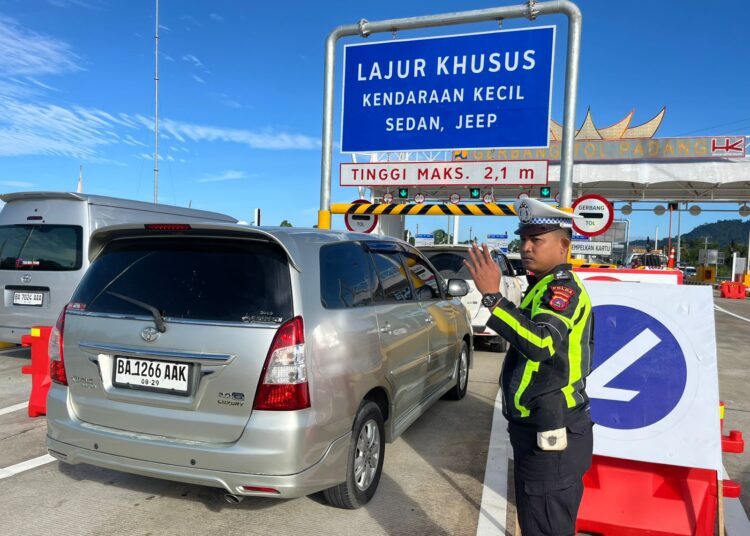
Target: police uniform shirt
[{"x": 551, "y": 339}]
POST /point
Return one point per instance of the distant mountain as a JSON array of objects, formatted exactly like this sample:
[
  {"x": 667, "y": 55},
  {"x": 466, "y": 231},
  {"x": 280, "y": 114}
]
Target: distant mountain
[{"x": 723, "y": 232}]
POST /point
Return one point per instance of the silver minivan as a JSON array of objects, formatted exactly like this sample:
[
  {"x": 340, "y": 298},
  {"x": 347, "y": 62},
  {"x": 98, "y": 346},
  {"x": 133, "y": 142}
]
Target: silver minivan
[
  {"x": 271, "y": 362},
  {"x": 44, "y": 248}
]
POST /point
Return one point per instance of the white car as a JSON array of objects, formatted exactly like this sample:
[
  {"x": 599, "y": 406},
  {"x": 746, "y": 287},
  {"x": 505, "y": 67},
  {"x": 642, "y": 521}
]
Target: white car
[
  {"x": 519, "y": 271},
  {"x": 449, "y": 261}
]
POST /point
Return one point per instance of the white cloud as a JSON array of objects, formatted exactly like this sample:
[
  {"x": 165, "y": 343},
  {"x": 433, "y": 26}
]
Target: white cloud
[
  {"x": 190, "y": 20},
  {"x": 28, "y": 128},
  {"x": 198, "y": 79},
  {"x": 24, "y": 52},
  {"x": 228, "y": 101},
  {"x": 266, "y": 139},
  {"x": 228, "y": 175},
  {"x": 17, "y": 184},
  {"x": 192, "y": 59},
  {"x": 69, "y": 3},
  {"x": 130, "y": 140},
  {"x": 165, "y": 28},
  {"x": 41, "y": 84},
  {"x": 216, "y": 17}
]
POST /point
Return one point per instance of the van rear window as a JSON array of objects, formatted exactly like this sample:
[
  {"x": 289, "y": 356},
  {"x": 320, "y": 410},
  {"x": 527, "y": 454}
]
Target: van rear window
[
  {"x": 190, "y": 278},
  {"x": 42, "y": 248}
]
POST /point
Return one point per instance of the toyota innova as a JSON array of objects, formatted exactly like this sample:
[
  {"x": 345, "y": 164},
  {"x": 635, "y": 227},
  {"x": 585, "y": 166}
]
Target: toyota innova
[{"x": 268, "y": 362}]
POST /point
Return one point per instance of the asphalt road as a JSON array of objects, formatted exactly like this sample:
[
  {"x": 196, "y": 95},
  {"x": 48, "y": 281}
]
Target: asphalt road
[{"x": 432, "y": 480}]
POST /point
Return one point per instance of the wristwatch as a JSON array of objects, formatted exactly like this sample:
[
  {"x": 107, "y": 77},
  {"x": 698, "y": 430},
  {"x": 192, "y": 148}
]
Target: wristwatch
[{"x": 490, "y": 300}]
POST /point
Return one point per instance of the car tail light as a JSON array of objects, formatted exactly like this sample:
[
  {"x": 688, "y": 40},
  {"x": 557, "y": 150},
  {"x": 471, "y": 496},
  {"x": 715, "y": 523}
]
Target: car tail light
[
  {"x": 56, "y": 358},
  {"x": 283, "y": 381},
  {"x": 167, "y": 227}
]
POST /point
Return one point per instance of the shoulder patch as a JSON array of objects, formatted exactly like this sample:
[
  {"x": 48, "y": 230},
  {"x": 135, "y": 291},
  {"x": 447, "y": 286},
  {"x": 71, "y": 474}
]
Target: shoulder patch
[
  {"x": 559, "y": 303},
  {"x": 562, "y": 290},
  {"x": 561, "y": 296},
  {"x": 562, "y": 274}
]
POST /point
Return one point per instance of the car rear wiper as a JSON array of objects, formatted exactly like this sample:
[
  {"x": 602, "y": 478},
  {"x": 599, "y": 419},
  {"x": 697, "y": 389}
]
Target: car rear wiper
[{"x": 158, "y": 318}]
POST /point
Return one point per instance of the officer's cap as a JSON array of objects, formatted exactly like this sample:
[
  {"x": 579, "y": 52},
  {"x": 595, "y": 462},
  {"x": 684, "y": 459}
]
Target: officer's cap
[{"x": 537, "y": 218}]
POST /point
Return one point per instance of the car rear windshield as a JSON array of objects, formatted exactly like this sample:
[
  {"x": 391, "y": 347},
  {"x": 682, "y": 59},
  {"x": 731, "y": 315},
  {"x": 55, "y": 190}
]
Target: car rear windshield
[
  {"x": 450, "y": 264},
  {"x": 189, "y": 278},
  {"x": 42, "y": 248}
]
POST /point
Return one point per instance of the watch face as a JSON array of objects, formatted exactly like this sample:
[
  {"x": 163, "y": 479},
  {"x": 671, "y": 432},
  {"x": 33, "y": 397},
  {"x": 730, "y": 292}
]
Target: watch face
[{"x": 489, "y": 299}]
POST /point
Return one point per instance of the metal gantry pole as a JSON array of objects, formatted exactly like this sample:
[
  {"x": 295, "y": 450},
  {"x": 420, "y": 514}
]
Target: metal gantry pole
[
  {"x": 530, "y": 10},
  {"x": 156, "y": 107},
  {"x": 678, "y": 259}
]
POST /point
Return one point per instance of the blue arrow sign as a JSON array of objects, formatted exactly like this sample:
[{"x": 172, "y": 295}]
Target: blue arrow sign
[
  {"x": 639, "y": 370},
  {"x": 482, "y": 90}
]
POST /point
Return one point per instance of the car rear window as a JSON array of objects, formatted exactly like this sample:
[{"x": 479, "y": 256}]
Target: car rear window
[
  {"x": 450, "y": 264},
  {"x": 188, "y": 278},
  {"x": 42, "y": 248}
]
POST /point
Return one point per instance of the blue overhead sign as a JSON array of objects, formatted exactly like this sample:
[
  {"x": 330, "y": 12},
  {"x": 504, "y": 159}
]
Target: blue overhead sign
[{"x": 484, "y": 90}]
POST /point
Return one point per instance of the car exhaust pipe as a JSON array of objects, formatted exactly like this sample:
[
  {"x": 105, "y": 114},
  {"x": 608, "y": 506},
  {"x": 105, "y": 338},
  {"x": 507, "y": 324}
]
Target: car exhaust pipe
[{"x": 231, "y": 498}]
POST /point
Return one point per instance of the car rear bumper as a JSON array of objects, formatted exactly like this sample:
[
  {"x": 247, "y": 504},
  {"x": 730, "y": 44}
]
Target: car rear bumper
[
  {"x": 329, "y": 471},
  {"x": 483, "y": 331},
  {"x": 281, "y": 450},
  {"x": 13, "y": 334}
]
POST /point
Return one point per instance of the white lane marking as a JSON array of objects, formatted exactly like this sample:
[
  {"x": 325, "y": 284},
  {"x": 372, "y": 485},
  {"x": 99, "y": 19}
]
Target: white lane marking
[
  {"x": 494, "y": 507},
  {"x": 596, "y": 384},
  {"x": 730, "y": 313},
  {"x": 5, "y": 472},
  {"x": 11, "y": 409},
  {"x": 736, "y": 522}
]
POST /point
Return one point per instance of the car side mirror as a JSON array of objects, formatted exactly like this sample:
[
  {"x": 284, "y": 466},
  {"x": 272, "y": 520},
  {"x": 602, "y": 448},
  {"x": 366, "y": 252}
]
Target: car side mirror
[{"x": 457, "y": 288}]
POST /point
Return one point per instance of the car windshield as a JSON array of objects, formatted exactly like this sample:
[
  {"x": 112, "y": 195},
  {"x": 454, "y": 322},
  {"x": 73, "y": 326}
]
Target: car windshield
[
  {"x": 517, "y": 265},
  {"x": 190, "y": 278},
  {"x": 42, "y": 248},
  {"x": 450, "y": 263}
]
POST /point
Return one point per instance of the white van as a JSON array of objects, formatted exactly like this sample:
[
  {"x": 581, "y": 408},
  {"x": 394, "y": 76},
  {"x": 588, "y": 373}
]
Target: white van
[{"x": 44, "y": 248}]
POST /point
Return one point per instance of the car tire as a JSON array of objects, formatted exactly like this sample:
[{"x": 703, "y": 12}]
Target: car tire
[
  {"x": 462, "y": 377},
  {"x": 367, "y": 446},
  {"x": 498, "y": 345}
]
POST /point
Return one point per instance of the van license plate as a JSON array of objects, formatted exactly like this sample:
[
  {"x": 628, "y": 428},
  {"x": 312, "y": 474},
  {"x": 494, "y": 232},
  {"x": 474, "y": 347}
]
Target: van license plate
[
  {"x": 27, "y": 298},
  {"x": 151, "y": 375}
]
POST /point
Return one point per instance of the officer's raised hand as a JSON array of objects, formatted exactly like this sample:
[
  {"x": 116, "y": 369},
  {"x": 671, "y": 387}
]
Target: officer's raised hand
[{"x": 483, "y": 269}]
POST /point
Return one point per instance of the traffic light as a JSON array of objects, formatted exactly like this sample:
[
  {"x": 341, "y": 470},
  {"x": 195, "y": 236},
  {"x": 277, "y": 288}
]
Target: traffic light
[
  {"x": 474, "y": 193},
  {"x": 403, "y": 193},
  {"x": 545, "y": 192}
]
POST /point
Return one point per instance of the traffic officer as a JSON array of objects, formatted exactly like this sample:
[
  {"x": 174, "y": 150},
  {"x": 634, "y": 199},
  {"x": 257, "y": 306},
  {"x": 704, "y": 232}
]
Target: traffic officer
[{"x": 543, "y": 376}]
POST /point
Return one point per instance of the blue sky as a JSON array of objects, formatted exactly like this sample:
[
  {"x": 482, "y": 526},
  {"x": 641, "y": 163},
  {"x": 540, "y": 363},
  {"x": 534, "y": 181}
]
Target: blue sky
[{"x": 241, "y": 93}]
